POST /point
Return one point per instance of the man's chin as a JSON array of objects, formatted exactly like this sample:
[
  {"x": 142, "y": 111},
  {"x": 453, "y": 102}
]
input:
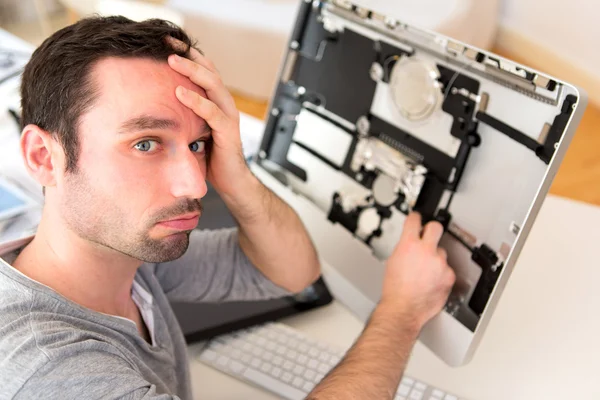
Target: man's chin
[{"x": 166, "y": 249}]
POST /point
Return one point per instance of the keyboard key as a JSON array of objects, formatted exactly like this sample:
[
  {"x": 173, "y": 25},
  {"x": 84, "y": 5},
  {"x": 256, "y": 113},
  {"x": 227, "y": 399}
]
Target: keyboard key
[
  {"x": 236, "y": 366},
  {"x": 293, "y": 344},
  {"x": 335, "y": 360},
  {"x": 288, "y": 365},
  {"x": 266, "y": 367},
  {"x": 298, "y": 370},
  {"x": 313, "y": 364},
  {"x": 276, "y": 372},
  {"x": 437, "y": 394},
  {"x": 319, "y": 377},
  {"x": 450, "y": 397},
  {"x": 323, "y": 368},
  {"x": 408, "y": 381},
  {"x": 261, "y": 341},
  {"x": 420, "y": 386},
  {"x": 302, "y": 359},
  {"x": 236, "y": 354},
  {"x": 223, "y": 360},
  {"x": 257, "y": 351},
  {"x": 287, "y": 377},
  {"x": 403, "y": 390},
  {"x": 216, "y": 345},
  {"x": 292, "y": 354},
  {"x": 308, "y": 386},
  {"x": 281, "y": 350},
  {"x": 324, "y": 357},
  {"x": 270, "y": 383},
  {"x": 267, "y": 356},
  {"x": 312, "y": 352},
  {"x": 309, "y": 374},
  {"x": 208, "y": 355},
  {"x": 271, "y": 346},
  {"x": 255, "y": 363},
  {"x": 416, "y": 395},
  {"x": 302, "y": 348},
  {"x": 246, "y": 358},
  {"x": 277, "y": 360},
  {"x": 298, "y": 382},
  {"x": 247, "y": 347}
]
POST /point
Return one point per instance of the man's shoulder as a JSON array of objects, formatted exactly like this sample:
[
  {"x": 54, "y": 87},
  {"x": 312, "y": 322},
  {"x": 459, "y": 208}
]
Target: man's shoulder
[{"x": 37, "y": 329}]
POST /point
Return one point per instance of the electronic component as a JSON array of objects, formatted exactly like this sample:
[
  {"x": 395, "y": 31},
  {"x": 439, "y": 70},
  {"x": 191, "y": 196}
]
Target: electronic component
[{"x": 401, "y": 174}]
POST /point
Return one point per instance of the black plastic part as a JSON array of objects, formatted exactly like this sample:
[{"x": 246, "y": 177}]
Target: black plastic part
[
  {"x": 444, "y": 217},
  {"x": 486, "y": 258},
  {"x": 337, "y": 214},
  {"x": 546, "y": 150},
  {"x": 304, "y": 12},
  {"x": 340, "y": 77},
  {"x": 509, "y": 131}
]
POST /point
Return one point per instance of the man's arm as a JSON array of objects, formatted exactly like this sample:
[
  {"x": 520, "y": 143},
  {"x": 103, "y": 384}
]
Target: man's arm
[
  {"x": 271, "y": 233},
  {"x": 417, "y": 283},
  {"x": 273, "y": 237}
]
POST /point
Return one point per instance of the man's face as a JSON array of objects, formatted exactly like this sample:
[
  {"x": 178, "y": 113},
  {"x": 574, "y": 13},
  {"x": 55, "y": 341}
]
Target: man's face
[{"x": 142, "y": 163}]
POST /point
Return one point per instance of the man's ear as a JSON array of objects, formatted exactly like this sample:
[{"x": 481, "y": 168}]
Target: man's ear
[{"x": 40, "y": 152}]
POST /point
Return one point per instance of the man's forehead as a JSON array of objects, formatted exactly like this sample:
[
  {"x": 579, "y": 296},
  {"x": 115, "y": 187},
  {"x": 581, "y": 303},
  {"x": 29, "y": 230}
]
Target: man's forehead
[{"x": 130, "y": 84}]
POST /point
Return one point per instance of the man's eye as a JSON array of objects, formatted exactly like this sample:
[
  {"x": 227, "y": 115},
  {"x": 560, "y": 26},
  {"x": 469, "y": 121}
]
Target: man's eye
[
  {"x": 146, "y": 145},
  {"x": 198, "y": 146}
]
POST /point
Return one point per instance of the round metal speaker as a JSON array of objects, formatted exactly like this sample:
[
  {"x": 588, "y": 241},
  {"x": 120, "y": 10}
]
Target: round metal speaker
[
  {"x": 384, "y": 190},
  {"x": 415, "y": 88}
]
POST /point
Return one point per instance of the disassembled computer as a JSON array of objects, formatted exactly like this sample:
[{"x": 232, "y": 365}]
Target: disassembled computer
[{"x": 373, "y": 118}]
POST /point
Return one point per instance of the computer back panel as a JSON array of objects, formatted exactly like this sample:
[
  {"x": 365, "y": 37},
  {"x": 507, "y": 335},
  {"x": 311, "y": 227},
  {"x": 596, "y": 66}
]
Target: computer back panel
[{"x": 373, "y": 118}]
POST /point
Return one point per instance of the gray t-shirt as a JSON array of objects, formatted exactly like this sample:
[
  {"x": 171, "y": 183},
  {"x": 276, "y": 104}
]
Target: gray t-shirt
[{"x": 53, "y": 348}]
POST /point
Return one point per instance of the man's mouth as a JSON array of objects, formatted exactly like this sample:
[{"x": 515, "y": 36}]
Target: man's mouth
[{"x": 184, "y": 222}]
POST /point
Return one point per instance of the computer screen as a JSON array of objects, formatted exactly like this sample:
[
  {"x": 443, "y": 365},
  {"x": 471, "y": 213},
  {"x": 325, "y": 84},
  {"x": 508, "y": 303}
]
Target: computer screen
[{"x": 373, "y": 118}]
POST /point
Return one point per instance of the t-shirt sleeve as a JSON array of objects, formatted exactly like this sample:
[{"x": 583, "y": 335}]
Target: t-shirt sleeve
[
  {"x": 89, "y": 375},
  {"x": 213, "y": 269}
]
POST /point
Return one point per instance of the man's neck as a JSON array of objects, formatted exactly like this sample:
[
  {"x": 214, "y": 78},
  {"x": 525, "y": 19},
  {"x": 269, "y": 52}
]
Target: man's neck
[{"x": 89, "y": 274}]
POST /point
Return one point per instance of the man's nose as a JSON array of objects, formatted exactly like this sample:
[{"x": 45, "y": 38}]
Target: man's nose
[{"x": 188, "y": 176}]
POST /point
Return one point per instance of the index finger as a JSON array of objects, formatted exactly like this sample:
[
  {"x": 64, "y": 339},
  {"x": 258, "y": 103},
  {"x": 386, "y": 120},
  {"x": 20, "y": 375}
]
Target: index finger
[
  {"x": 412, "y": 226},
  {"x": 195, "y": 55}
]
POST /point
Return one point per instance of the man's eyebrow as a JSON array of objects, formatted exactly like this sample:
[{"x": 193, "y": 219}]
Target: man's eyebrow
[
  {"x": 146, "y": 122},
  {"x": 206, "y": 130}
]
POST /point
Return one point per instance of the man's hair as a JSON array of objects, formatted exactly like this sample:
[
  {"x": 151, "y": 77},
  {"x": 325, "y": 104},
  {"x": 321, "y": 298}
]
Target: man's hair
[{"x": 57, "y": 86}]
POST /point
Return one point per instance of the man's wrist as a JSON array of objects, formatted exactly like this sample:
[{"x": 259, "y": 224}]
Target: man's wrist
[
  {"x": 401, "y": 314},
  {"x": 247, "y": 200}
]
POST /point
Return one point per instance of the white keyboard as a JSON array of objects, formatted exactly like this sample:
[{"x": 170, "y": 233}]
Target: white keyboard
[{"x": 288, "y": 363}]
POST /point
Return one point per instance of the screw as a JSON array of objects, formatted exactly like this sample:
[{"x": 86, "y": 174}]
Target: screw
[
  {"x": 275, "y": 112},
  {"x": 294, "y": 45},
  {"x": 262, "y": 154},
  {"x": 359, "y": 177},
  {"x": 301, "y": 90}
]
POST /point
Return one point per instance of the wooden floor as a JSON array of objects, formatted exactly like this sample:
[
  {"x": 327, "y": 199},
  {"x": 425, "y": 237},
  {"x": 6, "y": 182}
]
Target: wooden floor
[{"x": 579, "y": 175}]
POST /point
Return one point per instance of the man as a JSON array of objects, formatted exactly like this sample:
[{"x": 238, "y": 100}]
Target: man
[{"x": 123, "y": 123}]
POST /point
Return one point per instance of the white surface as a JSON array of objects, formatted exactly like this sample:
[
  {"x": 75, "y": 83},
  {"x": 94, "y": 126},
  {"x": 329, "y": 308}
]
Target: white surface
[
  {"x": 542, "y": 342},
  {"x": 137, "y": 10},
  {"x": 322, "y": 136},
  {"x": 568, "y": 28},
  {"x": 246, "y": 39}
]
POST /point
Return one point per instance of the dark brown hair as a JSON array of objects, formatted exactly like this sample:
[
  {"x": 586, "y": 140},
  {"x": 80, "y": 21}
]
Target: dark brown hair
[{"x": 57, "y": 87}]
